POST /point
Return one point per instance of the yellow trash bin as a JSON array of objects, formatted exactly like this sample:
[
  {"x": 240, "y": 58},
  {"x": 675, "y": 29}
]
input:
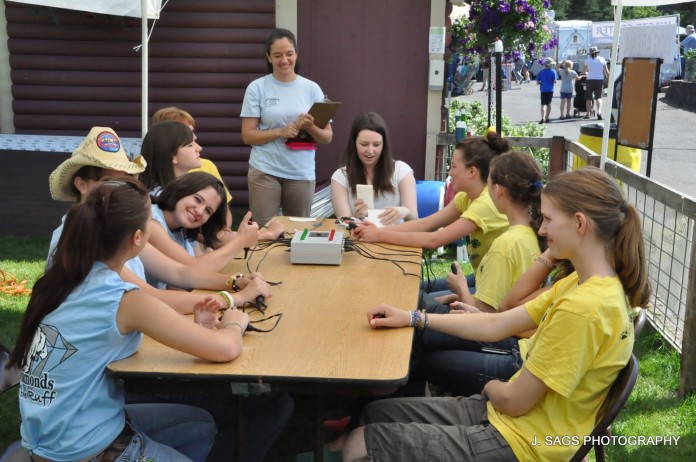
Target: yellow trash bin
[{"x": 591, "y": 137}]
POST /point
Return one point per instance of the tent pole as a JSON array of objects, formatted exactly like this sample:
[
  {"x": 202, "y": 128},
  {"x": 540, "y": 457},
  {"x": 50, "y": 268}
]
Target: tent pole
[
  {"x": 606, "y": 109},
  {"x": 144, "y": 69}
]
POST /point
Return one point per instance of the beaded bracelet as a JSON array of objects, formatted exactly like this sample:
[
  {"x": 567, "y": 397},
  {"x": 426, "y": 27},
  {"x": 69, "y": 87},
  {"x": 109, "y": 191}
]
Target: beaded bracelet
[
  {"x": 415, "y": 319},
  {"x": 228, "y": 298},
  {"x": 232, "y": 281}
]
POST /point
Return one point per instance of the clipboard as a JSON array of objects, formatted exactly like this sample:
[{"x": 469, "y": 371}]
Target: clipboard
[{"x": 322, "y": 112}]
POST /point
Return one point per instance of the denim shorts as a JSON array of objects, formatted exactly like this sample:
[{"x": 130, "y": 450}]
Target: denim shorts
[{"x": 565, "y": 95}]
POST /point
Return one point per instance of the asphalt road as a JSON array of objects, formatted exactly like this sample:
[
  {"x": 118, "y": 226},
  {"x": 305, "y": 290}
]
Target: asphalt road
[{"x": 674, "y": 145}]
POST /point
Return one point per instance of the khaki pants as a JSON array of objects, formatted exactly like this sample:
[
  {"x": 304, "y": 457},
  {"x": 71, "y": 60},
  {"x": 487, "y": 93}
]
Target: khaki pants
[
  {"x": 269, "y": 194},
  {"x": 419, "y": 429}
]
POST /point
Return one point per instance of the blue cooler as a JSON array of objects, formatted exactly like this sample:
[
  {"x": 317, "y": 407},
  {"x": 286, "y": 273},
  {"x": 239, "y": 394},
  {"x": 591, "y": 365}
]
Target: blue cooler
[{"x": 430, "y": 195}]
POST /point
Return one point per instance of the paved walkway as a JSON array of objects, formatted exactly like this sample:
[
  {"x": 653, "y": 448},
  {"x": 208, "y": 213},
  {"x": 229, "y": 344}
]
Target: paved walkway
[{"x": 674, "y": 152}]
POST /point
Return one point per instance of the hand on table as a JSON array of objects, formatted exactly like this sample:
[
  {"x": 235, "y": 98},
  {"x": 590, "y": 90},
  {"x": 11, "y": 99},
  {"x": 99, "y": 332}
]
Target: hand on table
[
  {"x": 205, "y": 312},
  {"x": 253, "y": 288},
  {"x": 384, "y": 315},
  {"x": 274, "y": 229},
  {"x": 235, "y": 316},
  {"x": 367, "y": 232}
]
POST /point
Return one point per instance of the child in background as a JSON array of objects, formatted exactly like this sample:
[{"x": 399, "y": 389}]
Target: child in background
[
  {"x": 546, "y": 79},
  {"x": 568, "y": 76}
]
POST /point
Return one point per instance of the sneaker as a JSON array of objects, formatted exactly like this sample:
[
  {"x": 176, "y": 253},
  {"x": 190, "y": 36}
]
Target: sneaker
[
  {"x": 562, "y": 118},
  {"x": 587, "y": 116},
  {"x": 599, "y": 117},
  {"x": 542, "y": 121}
]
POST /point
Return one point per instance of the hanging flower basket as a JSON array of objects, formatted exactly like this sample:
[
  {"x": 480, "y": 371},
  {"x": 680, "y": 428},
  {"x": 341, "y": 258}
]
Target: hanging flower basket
[{"x": 522, "y": 25}]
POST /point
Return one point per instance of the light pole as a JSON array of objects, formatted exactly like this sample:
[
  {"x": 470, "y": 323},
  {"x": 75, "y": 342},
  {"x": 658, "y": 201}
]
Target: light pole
[{"x": 498, "y": 48}]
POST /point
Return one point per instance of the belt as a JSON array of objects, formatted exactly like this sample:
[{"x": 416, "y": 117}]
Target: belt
[{"x": 110, "y": 454}]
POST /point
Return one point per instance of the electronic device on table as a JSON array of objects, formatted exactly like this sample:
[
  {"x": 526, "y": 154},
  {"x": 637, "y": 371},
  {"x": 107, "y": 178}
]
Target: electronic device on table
[{"x": 317, "y": 247}]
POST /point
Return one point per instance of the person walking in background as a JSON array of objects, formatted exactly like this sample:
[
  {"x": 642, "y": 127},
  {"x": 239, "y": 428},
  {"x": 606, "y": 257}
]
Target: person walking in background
[
  {"x": 486, "y": 66},
  {"x": 596, "y": 70},
  {"x": 519, "y": 66},
  {"x": 276, "y": 108},
  {"x": 568, "y": 76},
  {"x": 546, "y": 79},
  {"x": 687, "y": 44}
]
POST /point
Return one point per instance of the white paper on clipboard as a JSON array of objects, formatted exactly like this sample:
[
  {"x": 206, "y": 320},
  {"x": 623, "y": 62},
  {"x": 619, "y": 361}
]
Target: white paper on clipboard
[{"x": 366, "y": 193}]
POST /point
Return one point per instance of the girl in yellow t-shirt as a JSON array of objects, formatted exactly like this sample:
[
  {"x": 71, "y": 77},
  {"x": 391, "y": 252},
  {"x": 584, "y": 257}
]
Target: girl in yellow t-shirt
[
  {"x": 584, "y": 338},
  {"x": 471, "y": 213}
]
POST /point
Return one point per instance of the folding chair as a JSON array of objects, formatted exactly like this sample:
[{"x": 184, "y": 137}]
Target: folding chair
[
  {"x": 8, "y": 379},
  {"x": 618, "y": 394},
  {"x": 639, "y": 322}
]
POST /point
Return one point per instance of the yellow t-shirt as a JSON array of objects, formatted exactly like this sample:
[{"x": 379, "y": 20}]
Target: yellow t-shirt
[
  {"x": 209, "y": 167},
  {"x": 509, "y": 256},
  {"x": 490, "y": 223},
  {"x": 585, "y": 337}
]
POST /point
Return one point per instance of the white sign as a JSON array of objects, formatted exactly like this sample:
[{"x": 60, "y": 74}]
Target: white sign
[
  {"x": 649, "y": 42},
  {"x": 436, "y": 40},
  {"x": 603, "y": 31}
]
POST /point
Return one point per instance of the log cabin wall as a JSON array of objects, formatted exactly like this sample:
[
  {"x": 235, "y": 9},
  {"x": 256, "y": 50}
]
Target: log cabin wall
[{"x": 72, "y": 70}]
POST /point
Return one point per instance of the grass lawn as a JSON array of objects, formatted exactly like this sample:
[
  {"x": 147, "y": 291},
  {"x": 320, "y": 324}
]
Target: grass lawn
[{"x": 654, "y": 409}]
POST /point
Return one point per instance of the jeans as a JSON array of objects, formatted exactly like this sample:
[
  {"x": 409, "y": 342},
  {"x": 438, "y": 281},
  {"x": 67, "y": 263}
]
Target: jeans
[
  {"x": 169, "y": 432},
  {"x": 265, "y": 417},
  {"x": 459, "y": 365}
]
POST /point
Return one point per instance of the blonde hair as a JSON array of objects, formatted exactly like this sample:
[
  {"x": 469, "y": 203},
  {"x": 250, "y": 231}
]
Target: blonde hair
[{"x": 175, "y": 114}]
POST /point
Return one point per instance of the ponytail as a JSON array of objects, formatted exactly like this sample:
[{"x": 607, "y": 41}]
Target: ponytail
[
  {"x": 93, "y": 230},
  {"x": 479, "y": 151},
  {"x": 629, "y": 258},
  {"x": 595, "y": 194}
]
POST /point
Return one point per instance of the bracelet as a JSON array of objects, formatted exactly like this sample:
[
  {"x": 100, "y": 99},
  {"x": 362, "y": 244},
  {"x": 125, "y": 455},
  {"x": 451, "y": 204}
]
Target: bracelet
[
  {"x": 235, "y": 323},
  {"x": 544, "y": 261},
  {"x": 232, "y": 281},
  {"x": 228, "y": 298},
  {"x": 415, "y": 319}
]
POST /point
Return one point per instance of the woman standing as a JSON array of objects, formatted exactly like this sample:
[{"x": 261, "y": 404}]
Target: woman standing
[
  {"x": 276, "y": 108},
  {"x": 369, "y": 161}
]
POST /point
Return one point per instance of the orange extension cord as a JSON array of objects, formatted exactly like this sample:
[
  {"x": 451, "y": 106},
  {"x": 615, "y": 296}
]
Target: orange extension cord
[{"x": 10, "y": 286}]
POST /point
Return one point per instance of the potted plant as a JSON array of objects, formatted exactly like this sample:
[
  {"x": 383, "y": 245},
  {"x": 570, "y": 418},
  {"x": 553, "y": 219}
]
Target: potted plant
[{"x": 690, "y": 65}]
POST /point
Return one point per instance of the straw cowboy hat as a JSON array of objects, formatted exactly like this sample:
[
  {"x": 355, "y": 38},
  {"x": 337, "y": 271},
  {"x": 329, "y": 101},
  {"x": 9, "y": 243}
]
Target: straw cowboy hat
[{"x": 101, "y": 148}]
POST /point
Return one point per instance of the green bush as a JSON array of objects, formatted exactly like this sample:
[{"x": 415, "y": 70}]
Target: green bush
[{"x": 477, "y": 123}]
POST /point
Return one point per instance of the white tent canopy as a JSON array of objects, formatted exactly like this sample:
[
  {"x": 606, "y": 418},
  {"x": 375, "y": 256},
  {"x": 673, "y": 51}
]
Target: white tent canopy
[
  {"x": 132, "y": 8},
  {"x": 619, "y": 4}
]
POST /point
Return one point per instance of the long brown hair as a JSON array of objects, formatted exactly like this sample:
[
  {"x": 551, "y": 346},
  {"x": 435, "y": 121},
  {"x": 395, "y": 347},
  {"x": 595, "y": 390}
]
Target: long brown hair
[
  {"x": 479, "y": 151},
  {"x": 355, "y": 171},
  {"x": 595, "y": 194},
  {"x": 519, "y": 173},
  {"x": 93, "y": 231}
]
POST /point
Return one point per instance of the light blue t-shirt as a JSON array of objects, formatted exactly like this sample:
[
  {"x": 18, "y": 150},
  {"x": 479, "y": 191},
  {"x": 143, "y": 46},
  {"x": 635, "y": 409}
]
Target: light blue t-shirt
[
  {"x": 689, "y": 42},
  {"x": 277, "y": 104},
  {"x": 177, "y": 236},
  {"x": 567, "y": 78},
  {"x": 70, "y": 408},
  {"x": 135, "y": 264}
]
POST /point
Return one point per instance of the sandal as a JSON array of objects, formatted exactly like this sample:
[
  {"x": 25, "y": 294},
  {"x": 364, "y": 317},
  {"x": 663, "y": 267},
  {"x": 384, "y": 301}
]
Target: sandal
[{"x": 587, "y": 116}]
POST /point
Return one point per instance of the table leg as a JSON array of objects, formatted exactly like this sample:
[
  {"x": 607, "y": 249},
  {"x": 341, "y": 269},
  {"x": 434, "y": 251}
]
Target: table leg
[
  {"x": 239, "y": 446},
  {"x": 319, "y": 428}
]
